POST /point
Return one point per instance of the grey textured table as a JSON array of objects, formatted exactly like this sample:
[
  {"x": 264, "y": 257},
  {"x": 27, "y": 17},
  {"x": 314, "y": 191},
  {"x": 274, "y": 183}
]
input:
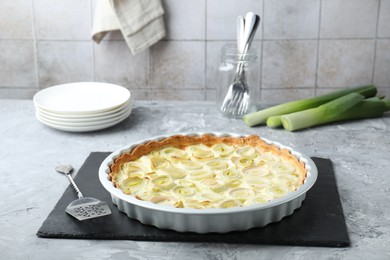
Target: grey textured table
[{"x": 29, "y": 150}]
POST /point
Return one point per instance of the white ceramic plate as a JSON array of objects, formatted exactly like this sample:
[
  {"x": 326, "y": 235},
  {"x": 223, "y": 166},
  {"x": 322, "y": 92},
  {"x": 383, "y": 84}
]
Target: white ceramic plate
[
  {"x": 207, "y": 220},
  {"x": 84, "y": 128},
  {"x": 84, "y": 123},
  {"x": 81, "y": 98},
  {"x": 84, "y": 116},
  {"x": 83, "y": 120}
]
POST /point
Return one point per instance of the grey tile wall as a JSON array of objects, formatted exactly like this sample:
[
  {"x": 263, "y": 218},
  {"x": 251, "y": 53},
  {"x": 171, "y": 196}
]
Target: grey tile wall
[
  {"x": 62, "y": 20},
  {"x": 382, "y": 71},
  {"x": 349, "y": 18},
  {"x": 305, "y": 48},
  {"x": 289, "y": 64},
  {"x": 115, "y": 64},
  {"x": 221, "y": 17},
  {"x": 17, "y": 63},
  {"x": 185, "y": 19},
  {"x": 384, "y": 19},
  {"x": 16, "y": 21},
  {"x": 291, "y": 19}
]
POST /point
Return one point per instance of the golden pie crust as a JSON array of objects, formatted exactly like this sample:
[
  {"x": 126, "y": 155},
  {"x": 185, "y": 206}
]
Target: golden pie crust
[{"x": 183, "y": 141}]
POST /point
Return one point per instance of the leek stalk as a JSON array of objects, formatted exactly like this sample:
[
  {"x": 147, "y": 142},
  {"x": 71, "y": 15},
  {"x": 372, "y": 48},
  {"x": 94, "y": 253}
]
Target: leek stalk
[
  {"x": 348, "y": 107},
  {"x": 368, "y": 108},
  {"x": 274, "y": 121},
  {"x": 260, "y": 117}
]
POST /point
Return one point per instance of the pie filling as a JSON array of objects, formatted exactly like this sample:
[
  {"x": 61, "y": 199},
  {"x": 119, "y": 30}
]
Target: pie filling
[{"x": 207, "y": 172}]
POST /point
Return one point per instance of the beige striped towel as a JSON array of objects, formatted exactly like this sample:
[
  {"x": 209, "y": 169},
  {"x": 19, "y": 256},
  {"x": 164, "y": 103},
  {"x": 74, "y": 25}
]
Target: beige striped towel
[{"x": 140, "y": 21}]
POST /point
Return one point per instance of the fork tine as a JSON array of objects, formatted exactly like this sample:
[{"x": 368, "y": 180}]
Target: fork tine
[
  {"x": 231, "y": 101},
  {"x": 246, "y": 104},
  {"x": 228, "y": 104},
  {"x": 240, "y": 107},
  {"x": 225, "y": 104},
  {"x": 227, "y": 100},
  {"x": 236, "y": 102},
  {"x": 243, "y": 107}
]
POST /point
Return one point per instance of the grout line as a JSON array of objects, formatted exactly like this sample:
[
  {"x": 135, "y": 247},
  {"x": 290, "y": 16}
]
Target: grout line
[
  {"x": 209, "y": 40},
  {"x": 318, "y": 50},
  {"x": 148, "y": 72},
  {"x": 261, "y": 53},
  {"x": 63, "y": 40},
  {"x": 92, "y": 45},
  {"x": 297, "y": 88},
  {"x": 205, "y": 88},
  {"x": 35, "y": 43},
  {"x": 376, "y": 42},
  {"x": 268, "y": 88},
  {"x": 321, "y": 39},
  {"x": 16, "y": 87}
]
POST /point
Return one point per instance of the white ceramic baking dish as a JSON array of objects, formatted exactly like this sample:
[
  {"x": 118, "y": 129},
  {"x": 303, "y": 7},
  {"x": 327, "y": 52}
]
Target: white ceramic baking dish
[{"x": 207, "y": 220}]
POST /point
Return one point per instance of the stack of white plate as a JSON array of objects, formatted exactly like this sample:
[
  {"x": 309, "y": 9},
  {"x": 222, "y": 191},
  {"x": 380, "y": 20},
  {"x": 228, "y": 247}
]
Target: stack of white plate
[{"x": 82, "y": 106}]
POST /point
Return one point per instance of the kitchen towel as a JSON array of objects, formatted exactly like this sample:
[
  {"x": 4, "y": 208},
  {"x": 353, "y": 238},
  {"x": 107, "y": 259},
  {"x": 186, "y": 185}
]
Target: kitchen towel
[
  {"x": 140, "y": 21},
  {"x": 318, "y": 222}
]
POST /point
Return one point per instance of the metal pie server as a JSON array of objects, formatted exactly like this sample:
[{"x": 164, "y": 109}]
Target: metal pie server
[{"x": 84, "y": 207}]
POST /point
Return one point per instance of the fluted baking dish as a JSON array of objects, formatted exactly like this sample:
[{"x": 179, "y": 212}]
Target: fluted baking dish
[{"x": 207, "y": 220}]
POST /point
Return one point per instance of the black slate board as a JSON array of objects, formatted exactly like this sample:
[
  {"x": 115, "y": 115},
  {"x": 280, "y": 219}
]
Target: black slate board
[{"x": 319, "y": 221}]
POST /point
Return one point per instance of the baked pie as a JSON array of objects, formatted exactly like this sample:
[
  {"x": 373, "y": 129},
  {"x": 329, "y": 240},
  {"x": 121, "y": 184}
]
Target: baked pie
[{"x": 207, "y": 171}]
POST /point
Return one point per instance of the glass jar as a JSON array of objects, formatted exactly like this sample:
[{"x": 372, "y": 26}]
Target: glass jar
[{"x": 238, "y": 67}]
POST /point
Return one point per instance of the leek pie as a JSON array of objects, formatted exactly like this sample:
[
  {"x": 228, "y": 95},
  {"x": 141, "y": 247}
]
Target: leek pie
[{"x": 207, "y": 171}]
